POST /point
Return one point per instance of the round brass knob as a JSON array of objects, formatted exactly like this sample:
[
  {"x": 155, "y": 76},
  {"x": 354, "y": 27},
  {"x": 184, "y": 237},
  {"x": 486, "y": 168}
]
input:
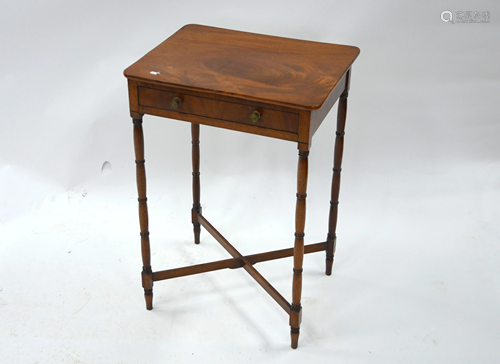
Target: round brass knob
[
  {"x": 255, "y": 116},
  {"x": 176, "y": 102}
]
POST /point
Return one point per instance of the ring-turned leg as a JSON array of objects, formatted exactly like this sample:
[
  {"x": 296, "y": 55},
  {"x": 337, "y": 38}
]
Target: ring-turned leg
[
  {"x": 195, "y": 136},
  {"x": 147, "y": 275},
  {"x": 331, "y": 240},
  {"x": 298, "y": 249}
]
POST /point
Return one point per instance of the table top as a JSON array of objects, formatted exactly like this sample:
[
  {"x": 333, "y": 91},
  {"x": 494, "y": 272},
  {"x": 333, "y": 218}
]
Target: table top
[{"x": 283, "y": 71}]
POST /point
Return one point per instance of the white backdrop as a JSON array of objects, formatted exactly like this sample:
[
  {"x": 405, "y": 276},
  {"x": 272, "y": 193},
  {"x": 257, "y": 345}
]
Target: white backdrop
[{"x": 416, "y": 276}]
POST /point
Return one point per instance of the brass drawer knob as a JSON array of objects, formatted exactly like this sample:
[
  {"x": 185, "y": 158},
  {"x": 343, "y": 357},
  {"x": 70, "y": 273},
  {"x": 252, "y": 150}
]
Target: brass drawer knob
[
  {"x": 176, "y": 102},
  {"x": 255, "y": 116}
]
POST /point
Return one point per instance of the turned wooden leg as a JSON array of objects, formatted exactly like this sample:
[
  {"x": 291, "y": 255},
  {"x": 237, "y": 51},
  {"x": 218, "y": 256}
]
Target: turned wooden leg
[
  {"x": 298, "y": 249},
  {"x": 195, "y": 136},
  {"x": 331, "y": 239},
  {"x": 147, "y": 275}
]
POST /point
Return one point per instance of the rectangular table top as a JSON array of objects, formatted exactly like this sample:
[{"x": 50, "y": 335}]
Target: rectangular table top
[{"x": 282, "y": 71}]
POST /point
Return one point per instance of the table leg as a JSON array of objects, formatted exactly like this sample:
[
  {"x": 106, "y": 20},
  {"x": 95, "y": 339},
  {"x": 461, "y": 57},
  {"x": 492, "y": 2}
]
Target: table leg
[
  {"x": 298, "y": 249},
  {"x": 147, "y": 275},
  {"x": 195, "y": 136},
  {"x": 331, "y": 240}
]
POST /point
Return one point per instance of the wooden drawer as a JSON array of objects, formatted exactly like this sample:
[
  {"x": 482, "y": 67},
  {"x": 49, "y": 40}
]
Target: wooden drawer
[{"x": 222, "y": 110}]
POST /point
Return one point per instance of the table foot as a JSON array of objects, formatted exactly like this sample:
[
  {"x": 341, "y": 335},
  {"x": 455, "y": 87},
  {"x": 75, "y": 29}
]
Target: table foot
[
  {"x": 196, "y": 224},
  {"x": 147, "y": 284},
  {"x": 331, "y": 242},
  {"x": 196, "y": 230},
  {"x": 294, "y": 333},
  {"x": 148, "y": 295},
  {"x": 329, "y": 266},
  {"x": 295, "y": 320}
]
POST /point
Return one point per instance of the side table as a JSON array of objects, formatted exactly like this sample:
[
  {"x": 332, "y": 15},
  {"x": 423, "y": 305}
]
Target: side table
[{"x": 270, "y": 86}]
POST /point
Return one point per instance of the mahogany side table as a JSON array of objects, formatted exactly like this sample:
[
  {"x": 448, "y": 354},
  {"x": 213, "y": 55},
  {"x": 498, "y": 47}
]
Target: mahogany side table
[{"x": 270, "y": 86}]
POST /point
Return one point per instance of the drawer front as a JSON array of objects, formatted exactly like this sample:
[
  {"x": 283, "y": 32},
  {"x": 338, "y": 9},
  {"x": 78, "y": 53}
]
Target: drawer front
[{"x": 222, "y": 110}]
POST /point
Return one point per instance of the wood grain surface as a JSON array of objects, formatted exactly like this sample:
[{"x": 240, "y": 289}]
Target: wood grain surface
[
  {"x": 216, "y": 109},
  {"x": 265, "y": 85},
  {"x": 283, "y": 71}
]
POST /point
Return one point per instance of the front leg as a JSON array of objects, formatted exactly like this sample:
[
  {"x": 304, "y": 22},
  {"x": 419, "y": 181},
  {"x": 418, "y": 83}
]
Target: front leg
[
  {"x": 331, "y": 240},
  {"x": 298, "y": 249},
  {"x": 147, "y": 275}
]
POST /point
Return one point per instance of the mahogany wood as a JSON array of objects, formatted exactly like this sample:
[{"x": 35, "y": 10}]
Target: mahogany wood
[
  {"x": 147, "y": 275},
  {"x": 257, "y": 67},
  {"x": 221, "y": 110},
  {"x": 331, "y": 238},
  {"x": 198, "y": 268},
  {"x": 283, "y": 253},
  {"x": 211, "y": 67},
  {"x": 220, "y": 77},
  {"x": 317, "y": 116},
  {"x": 298, "y": 250},
  {"x": 233, "y": 263},
  {"x": 246, "y": 265},
  {"x": 195, "y": 136}
]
